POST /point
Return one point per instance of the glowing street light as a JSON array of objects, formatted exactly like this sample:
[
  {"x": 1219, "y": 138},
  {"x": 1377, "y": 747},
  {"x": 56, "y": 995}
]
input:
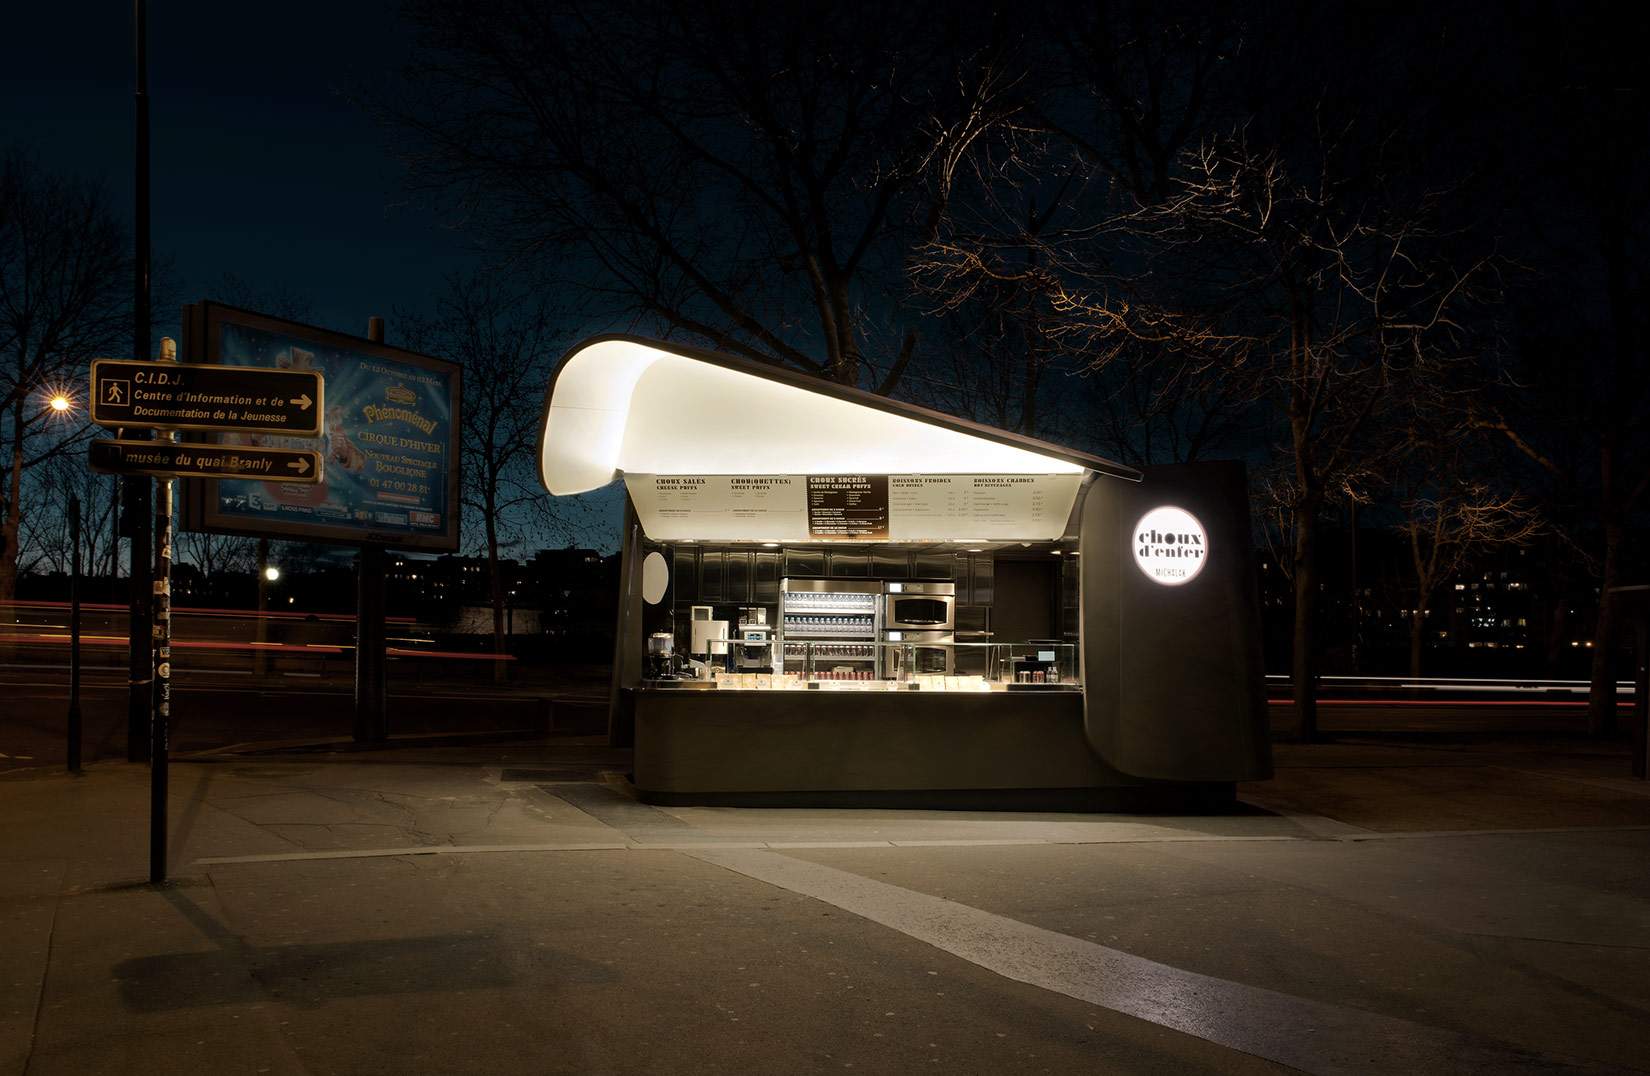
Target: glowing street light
[
  {"x": 272, "y": 573},
  {"x": 59, "y": 400}
]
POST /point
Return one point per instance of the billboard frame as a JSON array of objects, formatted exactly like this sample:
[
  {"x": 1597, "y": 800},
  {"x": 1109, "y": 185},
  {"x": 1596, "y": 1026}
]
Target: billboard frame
[{"x": 201, "y": 344}]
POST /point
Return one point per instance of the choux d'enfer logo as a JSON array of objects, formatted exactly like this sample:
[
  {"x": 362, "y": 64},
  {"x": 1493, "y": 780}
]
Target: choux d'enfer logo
[{"x": 1170, "y": 545}]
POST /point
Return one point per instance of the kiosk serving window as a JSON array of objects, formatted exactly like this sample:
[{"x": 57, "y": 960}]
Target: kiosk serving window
[
  {"x": 857, "y": 621},
  {"x": 831, "y": 539}
]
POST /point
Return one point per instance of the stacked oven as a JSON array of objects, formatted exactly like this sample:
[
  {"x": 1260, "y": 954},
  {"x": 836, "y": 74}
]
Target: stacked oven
[{"x": 919, "y": 628}]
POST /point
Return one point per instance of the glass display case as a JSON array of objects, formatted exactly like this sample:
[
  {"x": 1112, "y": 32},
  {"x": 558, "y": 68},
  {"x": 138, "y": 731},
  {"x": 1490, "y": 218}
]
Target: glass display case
[
  {"x": 829, "y": 623},
  {"x": 829, "y": 665}
]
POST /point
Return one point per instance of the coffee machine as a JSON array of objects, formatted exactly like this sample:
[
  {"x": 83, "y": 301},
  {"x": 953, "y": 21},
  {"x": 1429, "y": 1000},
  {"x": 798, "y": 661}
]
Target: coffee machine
[{"x": 754, "y": 629}]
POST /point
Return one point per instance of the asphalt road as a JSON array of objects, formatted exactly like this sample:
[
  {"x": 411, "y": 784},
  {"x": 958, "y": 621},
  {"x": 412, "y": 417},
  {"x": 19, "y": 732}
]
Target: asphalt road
[
  {"x": 214, "y": 711},
  {"x": 220, "y": 705}
]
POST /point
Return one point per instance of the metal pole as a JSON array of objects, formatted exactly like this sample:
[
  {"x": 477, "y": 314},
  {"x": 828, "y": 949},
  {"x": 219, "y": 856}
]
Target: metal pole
[
  {"x": 140, "y": 661},
  {"x": 371, "y": 710},
  {"x": 159, "y": 742},
  {"x": 1357, "y": 594},
  {"x": 74, "y": 634},
  {"x": 1641, "y": 694}
]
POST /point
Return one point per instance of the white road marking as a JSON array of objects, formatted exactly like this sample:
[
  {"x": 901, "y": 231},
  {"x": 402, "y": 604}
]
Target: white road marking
[
  {"x": 697, "y": 844},
  {"x": 1310, "y": 1035},
  {"x": 1318, "y": 825},
  {"x": 1435, "y": 834},
  {"x": 733, "y": 843},
  {"x": 412, "y": 850}
]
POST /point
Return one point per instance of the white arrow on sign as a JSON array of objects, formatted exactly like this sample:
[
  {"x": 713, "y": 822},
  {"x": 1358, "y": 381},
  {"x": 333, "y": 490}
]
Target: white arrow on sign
[
  {"x": 303, "y": 402},
  {"x": 300, "y": 465}
]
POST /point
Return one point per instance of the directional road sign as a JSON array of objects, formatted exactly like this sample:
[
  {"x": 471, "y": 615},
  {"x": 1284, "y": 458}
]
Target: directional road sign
[
  {"x": 193, "y": 396},
  {"x": 166, "y": 459}
]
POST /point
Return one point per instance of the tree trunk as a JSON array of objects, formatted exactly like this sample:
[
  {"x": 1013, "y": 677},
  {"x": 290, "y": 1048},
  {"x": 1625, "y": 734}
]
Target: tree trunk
[
  {"x": 1601, "y": 697},
  {"x": 1304, "y": 664},
  {"x": 495, "y": 588},
  {"x": 11, "y": 522},
  {"x": 1417, "y": 635},
  {"x": 844, "y": 357}
]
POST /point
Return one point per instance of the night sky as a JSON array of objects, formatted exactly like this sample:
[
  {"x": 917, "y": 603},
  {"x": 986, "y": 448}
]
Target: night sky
[{"x": 265, "y": 168}]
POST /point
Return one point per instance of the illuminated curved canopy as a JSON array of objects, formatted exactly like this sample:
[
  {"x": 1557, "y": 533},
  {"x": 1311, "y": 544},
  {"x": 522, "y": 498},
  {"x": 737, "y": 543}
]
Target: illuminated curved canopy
[{"x": 624, "y": 405}]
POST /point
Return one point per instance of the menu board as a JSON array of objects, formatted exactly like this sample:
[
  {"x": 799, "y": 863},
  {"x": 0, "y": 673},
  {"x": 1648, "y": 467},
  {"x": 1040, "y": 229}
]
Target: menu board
[
  {"x": 997, "y": 507},
  {"x": 854, "y": 508},
  {"x": 727, "y": 508},
  {"x": 848, "y": 506}
]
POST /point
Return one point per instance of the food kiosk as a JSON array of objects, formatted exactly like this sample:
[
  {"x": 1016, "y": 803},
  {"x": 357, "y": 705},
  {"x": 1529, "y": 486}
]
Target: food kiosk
[{"x": 833, "y": 598}]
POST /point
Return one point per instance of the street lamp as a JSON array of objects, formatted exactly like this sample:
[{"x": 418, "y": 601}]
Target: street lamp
[
  {"x": 272, "y": 573},
  {"x": 59, "y": 400}
]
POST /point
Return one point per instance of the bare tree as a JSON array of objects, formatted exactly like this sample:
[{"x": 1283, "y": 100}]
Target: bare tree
[
  {"x": 740, "y": 180},
  {"x": 44, "y": 533},
  {"x": 63, "y": 300},
  {"x": 1585, "y": 422},
  {"x": 1305, "y": 282},
  {"x": 1450, "y": 515},
  {"x": 1088, "y": 119},
  {"x": 506, "y": 338},
  {"x": 1345, "y": 298},
  {"x": 216, "y": 553}
]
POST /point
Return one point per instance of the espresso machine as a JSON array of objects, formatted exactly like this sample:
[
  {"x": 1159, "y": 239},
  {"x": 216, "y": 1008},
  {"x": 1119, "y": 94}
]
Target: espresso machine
[{"x": 754, "y": 628}]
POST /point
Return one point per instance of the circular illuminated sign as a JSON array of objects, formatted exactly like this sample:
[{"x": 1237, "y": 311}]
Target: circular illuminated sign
[{"x": 1170, "y": 545}]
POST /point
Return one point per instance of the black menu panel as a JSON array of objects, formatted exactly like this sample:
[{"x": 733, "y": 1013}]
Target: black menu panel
[{"x": 848, "y": 506}]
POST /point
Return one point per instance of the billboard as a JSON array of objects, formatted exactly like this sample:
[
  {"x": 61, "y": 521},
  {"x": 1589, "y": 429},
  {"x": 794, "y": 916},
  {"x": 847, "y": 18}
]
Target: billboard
[{"x": 389, "y": 438}]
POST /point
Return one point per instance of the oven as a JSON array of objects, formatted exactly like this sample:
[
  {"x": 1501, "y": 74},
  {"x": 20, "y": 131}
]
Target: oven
[
  {"x": 919, "y": 607},
  {"x": 910, "y": 653}
]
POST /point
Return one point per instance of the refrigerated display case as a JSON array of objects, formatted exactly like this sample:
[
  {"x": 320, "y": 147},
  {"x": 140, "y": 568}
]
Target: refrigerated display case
[{"x": 830, "y": 626}]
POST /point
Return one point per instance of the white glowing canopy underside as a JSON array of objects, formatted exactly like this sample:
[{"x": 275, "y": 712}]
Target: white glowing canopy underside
[{"x": 620, "y": 406}]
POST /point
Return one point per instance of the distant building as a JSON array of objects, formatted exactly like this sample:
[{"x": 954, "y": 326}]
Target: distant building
[
  {"x": 561, "y": 594},
  {"x": 575, "y": 590}
]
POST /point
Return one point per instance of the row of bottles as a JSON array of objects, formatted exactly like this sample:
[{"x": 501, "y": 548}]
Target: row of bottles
[
  {"x": 829, "y": 625},
  {"x": 832, "y": 651}
]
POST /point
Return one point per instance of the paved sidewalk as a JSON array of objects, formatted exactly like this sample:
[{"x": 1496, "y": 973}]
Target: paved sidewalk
[{"x": 1467, "y": 906}]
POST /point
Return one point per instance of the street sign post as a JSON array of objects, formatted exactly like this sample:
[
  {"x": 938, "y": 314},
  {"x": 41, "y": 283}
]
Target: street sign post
[
  {"x": 165, "y": 396},
  {"x": 168, "y": 459},
  {"x": 238, "y": 399}
]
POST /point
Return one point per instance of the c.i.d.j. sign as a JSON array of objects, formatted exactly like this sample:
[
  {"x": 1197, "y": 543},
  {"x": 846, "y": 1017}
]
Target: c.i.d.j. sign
[{"x": 179, "y": 396}]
